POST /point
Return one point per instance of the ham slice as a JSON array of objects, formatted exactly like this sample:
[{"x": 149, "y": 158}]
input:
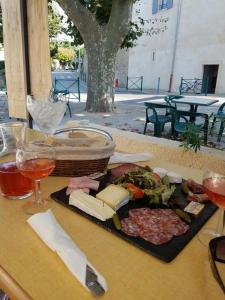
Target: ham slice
[
  {"x": 83, "y": 183},
  {"x": 70, "y": 190}
]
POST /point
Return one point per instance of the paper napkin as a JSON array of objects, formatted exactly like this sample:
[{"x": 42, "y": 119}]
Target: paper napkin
[
  {"x": 52, "y": 234},
  {"x": 129, "y": 157}
]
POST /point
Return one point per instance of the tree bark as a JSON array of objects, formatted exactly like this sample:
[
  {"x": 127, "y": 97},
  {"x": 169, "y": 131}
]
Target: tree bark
[
  {"x": 100, "y": 81},
  {"x": 102, "y": 43}
]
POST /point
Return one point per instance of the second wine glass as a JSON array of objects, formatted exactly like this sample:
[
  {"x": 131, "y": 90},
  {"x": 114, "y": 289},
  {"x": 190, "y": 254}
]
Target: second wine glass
[
  {"x": 214, "y": 187},
  {"x": 36, "y": 161}
]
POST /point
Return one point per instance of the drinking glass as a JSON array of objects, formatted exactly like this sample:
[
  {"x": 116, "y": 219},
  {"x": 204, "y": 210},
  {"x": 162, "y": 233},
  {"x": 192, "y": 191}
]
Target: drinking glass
[
  {"x": 13, "y": 184},
  {"x": 36, "y": 160},
  {"x": 12, "y": 135},
  {"x": 214, "y": 187}
]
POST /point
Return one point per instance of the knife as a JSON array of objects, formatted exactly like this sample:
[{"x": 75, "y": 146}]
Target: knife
[{"x": 92, "y": 283}]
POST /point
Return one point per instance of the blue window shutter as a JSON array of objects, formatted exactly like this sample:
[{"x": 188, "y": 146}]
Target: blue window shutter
[
  {"x": 169, "y": 4},
  {"x": 154, "y": 6}
]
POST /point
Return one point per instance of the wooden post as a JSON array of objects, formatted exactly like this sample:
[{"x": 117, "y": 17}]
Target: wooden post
[
  {"x": 22, "y": 49},
  {"x": 38, "y": 43},
  {"x": 15, "y": 66}
]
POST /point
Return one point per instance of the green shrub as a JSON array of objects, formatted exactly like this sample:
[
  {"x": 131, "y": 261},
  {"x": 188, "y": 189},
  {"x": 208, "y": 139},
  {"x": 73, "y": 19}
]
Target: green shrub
[
  {"x": 53, "y": 49},
  {"x": 65, "y": 55}
]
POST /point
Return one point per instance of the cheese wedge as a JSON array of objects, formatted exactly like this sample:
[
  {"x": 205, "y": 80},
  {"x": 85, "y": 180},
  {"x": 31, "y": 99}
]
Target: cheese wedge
[
  {"x": 114, "y": 195},
  {"x": 160, "y": 171},
  {"x": 174, "y": 177},
  {"x": 91, "y": 205}
]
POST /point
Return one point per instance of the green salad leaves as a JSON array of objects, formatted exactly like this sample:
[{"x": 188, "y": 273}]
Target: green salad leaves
[{"x": 157, "y": 190}]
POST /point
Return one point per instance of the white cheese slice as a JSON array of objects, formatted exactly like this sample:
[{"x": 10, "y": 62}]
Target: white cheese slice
[
  {"x": 91, "y": 205},
  {"x": 114, "y": 195},
  {"x": 174, "y": 177},
  {"x": 160, "y": 171}
]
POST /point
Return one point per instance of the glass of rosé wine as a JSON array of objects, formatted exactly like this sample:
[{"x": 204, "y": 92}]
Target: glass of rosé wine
[
  {"x": 36, "y": 160},
  {"x": 214, "y": 187}
]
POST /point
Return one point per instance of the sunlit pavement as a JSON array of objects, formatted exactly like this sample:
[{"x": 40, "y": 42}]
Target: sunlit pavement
[{"x": 128, "y": 114}]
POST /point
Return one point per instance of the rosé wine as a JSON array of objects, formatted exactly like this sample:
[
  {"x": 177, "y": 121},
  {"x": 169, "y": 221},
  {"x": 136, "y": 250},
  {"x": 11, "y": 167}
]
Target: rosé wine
[{"x": 215, "y": 188}]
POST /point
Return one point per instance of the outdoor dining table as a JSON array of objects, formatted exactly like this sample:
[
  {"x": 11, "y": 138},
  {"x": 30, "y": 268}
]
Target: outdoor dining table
[
  {"x": 194, "y": 102},
  {"x": 130, "y": 273}
]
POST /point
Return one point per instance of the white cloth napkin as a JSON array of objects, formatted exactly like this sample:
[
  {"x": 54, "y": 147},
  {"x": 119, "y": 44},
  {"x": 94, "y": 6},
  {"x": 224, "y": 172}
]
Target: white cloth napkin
[
  {"x": 49, "y": 230},
  {"x": 129, "y": 157}
]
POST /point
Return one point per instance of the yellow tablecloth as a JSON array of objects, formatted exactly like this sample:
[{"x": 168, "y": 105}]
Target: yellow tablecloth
[{"x": 131, "y": 273}]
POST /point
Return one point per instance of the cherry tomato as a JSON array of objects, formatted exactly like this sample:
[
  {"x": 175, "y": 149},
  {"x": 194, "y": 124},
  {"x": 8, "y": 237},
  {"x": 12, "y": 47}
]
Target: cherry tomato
[{"x": 136, "y": 191}]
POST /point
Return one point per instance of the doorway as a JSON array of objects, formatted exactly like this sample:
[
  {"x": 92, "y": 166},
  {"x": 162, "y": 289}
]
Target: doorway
[{"x": 209, "y": 79}]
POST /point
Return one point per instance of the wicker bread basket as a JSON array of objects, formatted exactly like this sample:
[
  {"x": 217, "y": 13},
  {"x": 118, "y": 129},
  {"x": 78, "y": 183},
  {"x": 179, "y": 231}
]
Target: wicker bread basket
[{"x": 82, "y": 151}]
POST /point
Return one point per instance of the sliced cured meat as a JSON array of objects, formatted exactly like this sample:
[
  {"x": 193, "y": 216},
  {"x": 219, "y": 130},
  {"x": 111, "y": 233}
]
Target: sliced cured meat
[
  {"x": 177, "y": 228},
  {"x": 157, "y": 239},
  {"x": 70, "y": 190},
  {"x": 195, "y": 187},
  {"x": 122, "y": 169},
  {"x": 77, "y": 183},
  {"x": 129, "y": 227},
  {"x": 197, "y": 197},
  {"x": 157, "y": 226},
  {"x": 137, "y": 212}
]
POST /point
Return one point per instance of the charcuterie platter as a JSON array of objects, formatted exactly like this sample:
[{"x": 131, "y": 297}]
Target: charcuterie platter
[{"x": 155, "y": 219}]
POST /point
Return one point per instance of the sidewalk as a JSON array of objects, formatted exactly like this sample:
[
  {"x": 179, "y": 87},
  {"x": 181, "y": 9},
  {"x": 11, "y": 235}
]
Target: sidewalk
[{"x": 129, "y": 113}]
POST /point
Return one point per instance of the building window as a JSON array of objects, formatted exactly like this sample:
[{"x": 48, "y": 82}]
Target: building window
[
  {"x": 163, "y": 4},
  {"x": 160, "y": 5}
]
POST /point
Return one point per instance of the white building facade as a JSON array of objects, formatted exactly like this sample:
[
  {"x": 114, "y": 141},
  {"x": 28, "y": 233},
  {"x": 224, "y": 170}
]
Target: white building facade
[{"x": 187, "y": 39}]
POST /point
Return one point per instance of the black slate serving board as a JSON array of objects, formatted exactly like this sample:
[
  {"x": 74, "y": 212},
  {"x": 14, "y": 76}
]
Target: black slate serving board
[{"x": 166, "y": 252}]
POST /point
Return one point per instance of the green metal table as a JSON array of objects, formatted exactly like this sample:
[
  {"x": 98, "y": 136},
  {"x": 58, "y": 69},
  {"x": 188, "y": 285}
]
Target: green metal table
[{"x": 194, "y": 102}]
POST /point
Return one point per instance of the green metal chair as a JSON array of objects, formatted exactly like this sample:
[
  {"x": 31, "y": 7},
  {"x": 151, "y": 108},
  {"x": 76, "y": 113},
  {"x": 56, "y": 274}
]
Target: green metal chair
[
  {"x": 181, "y": 126},
  {"x": 57, "y": 94},
  {"x": 159, "y": 120},
  {"x": 168, "y": 99},
  {"x": 220, "y": 115}
]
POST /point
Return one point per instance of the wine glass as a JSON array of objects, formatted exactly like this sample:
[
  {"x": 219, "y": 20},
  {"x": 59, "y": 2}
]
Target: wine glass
[
  {"x": 36, "y": 160},
  {"x": 214, "y": 187}
]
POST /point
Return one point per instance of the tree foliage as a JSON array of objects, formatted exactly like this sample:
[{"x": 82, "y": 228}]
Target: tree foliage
[
  {"x": 101, "y": 9},
  {"x": 54, "y": 21}
]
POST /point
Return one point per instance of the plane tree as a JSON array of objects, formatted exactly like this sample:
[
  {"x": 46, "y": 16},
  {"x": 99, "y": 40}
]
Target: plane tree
[{"x": 103, "y": 26}]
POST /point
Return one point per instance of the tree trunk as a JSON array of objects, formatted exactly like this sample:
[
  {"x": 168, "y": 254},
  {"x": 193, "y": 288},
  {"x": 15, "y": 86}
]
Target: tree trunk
[
  {"x": 102, "y": 42},
  {"x": 100, "y": 82}
]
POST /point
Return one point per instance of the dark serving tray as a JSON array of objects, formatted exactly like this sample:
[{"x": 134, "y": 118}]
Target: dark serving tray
[{"x": 166, "y": 252}]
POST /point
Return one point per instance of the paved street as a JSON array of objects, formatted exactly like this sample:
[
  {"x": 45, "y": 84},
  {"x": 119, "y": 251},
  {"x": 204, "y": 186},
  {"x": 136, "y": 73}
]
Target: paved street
[{"x": 129, "y": 113}]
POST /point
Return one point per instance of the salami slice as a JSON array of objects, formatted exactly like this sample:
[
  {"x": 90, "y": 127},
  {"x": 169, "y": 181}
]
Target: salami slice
[
  {"x": 145, "y": 211},
  {"x": 129, "y": 227},
  {"x": 157, "y": 239},
  {"x": 157, "y": 226}
]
